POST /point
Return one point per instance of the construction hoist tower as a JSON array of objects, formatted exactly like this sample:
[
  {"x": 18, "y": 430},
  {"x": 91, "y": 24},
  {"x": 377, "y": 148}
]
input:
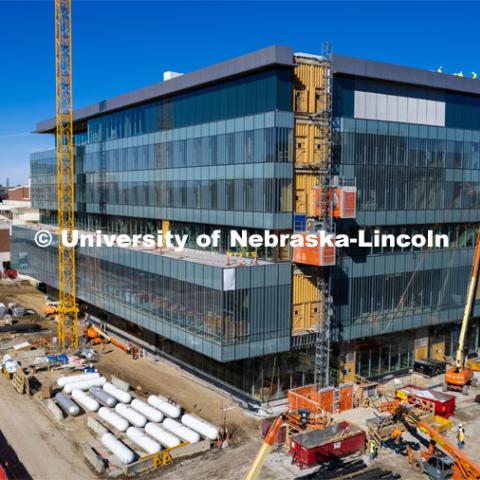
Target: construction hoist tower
[
  {"x": 67, "y": 309},
  {"x": 314, "y": 192},
  {"x": 324, "y": 212}
]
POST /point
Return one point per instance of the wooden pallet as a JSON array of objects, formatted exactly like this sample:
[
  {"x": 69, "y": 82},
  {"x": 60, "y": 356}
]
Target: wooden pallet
[{"x": 21, "y": 382}]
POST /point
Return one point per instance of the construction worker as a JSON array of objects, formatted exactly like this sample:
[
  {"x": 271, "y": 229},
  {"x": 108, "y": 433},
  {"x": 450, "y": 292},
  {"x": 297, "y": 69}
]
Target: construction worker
[
  {"x": 461, "y": 437},
  {"x": 372, "y": 449},
  {"x": 410, "y": 454},
  {"x": 397, "y": 436},
  {"x": 474, "y": 75},
  {"x": 440, "y": 69}
]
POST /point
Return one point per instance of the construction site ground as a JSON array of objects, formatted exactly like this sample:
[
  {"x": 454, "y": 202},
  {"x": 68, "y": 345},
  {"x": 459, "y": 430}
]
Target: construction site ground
[
  {"x": 467, "y": 412},
  {"x": 50, "y": 449}
]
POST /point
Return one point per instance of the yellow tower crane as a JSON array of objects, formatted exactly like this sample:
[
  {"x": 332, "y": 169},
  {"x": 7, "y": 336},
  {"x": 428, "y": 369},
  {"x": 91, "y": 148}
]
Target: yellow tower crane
[{"x": 67, "y": 309}]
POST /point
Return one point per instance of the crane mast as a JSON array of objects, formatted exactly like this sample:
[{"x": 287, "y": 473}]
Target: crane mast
[{"x": 67, "y": 309}]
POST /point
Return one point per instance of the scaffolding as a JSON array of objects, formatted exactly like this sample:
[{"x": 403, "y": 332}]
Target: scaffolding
[{"x": 314, "y": 144}]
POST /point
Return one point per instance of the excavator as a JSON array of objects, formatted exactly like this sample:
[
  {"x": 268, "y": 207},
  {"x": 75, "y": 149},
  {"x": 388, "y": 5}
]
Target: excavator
[
  {"x": 461, "y": 375},
  {"x": 98, "y": 336},
  {"x": 442, "y": 460}
]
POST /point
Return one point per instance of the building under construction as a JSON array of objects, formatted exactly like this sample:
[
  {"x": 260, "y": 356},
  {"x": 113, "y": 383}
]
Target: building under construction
[{"x": 285, "y": 142}]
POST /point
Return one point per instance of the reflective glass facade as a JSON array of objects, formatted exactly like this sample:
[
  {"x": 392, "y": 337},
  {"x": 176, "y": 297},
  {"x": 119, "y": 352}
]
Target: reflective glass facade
[
  {"x": 410, "y": 177},
  {"x": 214, "y": 157},
  {"x": 232, "y": 172},
  {"x": 266, "y": 91},
  {"x": 188, "y": 302},
  {"x": 222, "y": 156}
]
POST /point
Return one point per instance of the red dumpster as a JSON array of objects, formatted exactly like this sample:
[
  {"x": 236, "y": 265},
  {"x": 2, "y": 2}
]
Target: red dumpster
[
  {"x": 443, "y": 402},
  {"x": 317, "y": 446}
]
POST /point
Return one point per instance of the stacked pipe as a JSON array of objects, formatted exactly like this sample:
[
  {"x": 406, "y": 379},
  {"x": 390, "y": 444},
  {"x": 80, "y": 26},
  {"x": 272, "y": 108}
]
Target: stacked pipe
[
  {"x": 201, "y": 426},
  {"x": 84, "y": 384},
  {"x": 119, "y": 449},
  {"x": 160, "y": 403},
  {"x": 85, "y": 400},
  {"x": 134, "y": 417},
  {"x": 113, "y": 418},
  {"x": 114, "y": 391}
]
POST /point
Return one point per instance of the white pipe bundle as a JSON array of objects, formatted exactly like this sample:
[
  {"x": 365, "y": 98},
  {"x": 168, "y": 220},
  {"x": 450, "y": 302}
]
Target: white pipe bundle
[
  {"x": 120, "y": 395},
  {"x": 85, "y": 400},
  {"x": 162, "y": 404},
  {"x": 84, "y": 385},
  {"x": 113, "y": 419},
  {"x": 166, "y": 438},
  {"x": 119, "y": 449},
  {"x": 201, "y": 426},
  {"x": 181, "y": 431},
  {"x": 151, "y": 413},
  {"x": 131, "y": 415},
  {"x": 143, "y": 441},
  {"x": 62, "y": 381}
]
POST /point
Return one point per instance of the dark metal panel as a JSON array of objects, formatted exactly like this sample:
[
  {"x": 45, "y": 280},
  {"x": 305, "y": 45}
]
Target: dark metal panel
[
  {"x": 270, "y": 56},
  {"x": 397, "y": 73}
]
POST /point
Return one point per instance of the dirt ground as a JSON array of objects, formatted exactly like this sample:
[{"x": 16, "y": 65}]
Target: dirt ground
[
  {"x": 46, "y": 450},
  {"x": 21, "y": 293}
]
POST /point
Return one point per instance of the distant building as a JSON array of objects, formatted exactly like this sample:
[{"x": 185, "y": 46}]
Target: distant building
[
  {"x": 256, "y": 143},
  {"x": 4, "y": 244},
  {"x": 3, "y": 192},
  {"x": 19, "y": 194},
  {"x": 16, "y": 209}
]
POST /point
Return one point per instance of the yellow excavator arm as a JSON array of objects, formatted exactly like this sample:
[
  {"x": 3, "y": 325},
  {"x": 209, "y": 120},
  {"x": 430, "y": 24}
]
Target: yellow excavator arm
[
  {"x": 253, "y": 472},
  {"x": 460, "y": 357}
]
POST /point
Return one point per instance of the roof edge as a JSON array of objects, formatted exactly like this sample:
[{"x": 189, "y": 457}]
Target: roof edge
[
  {"x": 409, "y": 75},
  {"x": 250, "y": 62}
]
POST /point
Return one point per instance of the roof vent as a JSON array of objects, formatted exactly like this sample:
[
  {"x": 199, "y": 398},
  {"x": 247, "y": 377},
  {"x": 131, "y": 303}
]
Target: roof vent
[{"x": 169, "y": 75}]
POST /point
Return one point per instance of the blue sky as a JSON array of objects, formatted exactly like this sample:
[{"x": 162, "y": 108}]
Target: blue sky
[{"x": 122, "y": 45}]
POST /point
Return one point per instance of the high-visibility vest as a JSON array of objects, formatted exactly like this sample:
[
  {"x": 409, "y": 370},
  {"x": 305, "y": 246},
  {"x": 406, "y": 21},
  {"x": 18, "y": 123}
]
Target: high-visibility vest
[{"x": 461, "y": 435}]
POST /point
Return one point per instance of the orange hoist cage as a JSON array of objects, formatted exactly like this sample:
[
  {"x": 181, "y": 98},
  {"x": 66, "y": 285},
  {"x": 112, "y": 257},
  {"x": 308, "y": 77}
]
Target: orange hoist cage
[
  {"x": 344, "y": 201},
  {"x": 345, "y": 400},
  {"x": 312, "y": 398},
  {"x": 320, "y": 256}
]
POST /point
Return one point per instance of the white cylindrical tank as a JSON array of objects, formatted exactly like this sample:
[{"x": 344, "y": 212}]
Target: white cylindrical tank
[
  {"x": 166, "y": 438},
  {"x": 181, "y": 431},
  {"x": 85, "y": 400},
  {"x": 84, "y": 385},
  {"x": 164, "y": 406},
  {"x": 147, "y": 410},
  {"x": 119, "y": 449},
  {"x": 131, "y": 415},
  {"x": 113, "y": 419},
  {"x": 62, "y": 381},
  {"x": 201, "y": 426},
  {"x": 120, "y": 395},
  {"x": 67, "y": 405},
  {"x": 103, "y": 397},
  {"x": 143, "y": 441}
]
